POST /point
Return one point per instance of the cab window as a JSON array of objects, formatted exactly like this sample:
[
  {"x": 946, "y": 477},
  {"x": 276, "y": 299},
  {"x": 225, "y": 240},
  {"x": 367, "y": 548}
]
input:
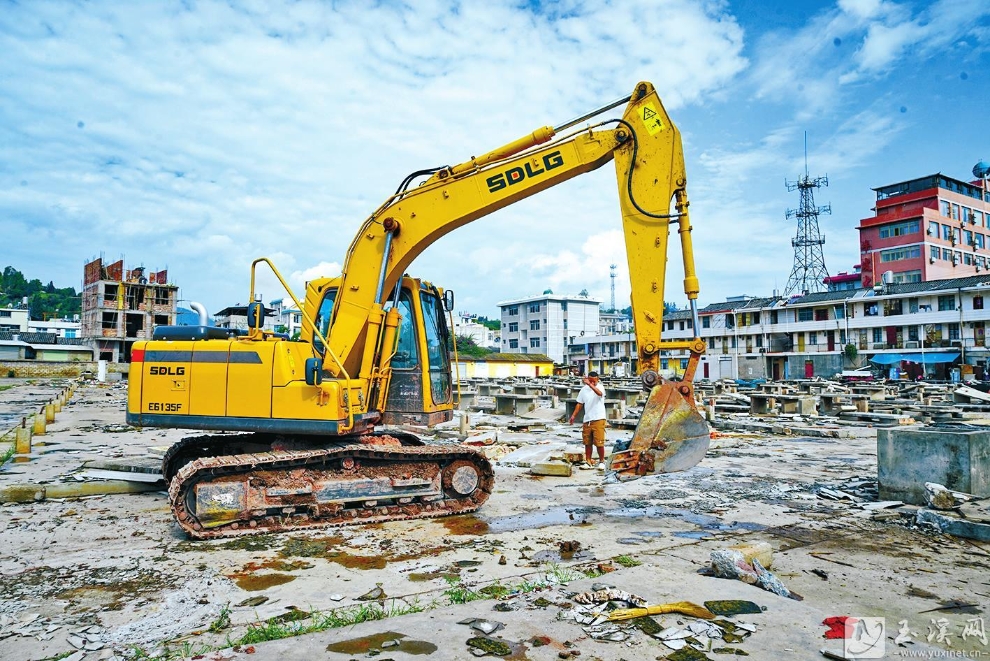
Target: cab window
[
  {"x": 406, "y": 352},
  {"x": 323, "y": 319},
  {"x": 435, "y": 327}
]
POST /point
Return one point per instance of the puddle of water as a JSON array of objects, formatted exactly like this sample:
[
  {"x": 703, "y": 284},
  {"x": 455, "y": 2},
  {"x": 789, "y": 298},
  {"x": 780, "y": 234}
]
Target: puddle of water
[
  {"x": 422, "y": 577},
  {"x": 256, "y": 582},
  {"x": 629, "y": 540},
  {"x": 554, "y": 516},
  {"x": 366, "y": 644},
  {"x": 693, "y": 534},
  {"x": 551, "y": 555},
  {"x": 465, "y": 524},
  {"x": 649, "y": 533},
  {"x": 705, "y": 521}
]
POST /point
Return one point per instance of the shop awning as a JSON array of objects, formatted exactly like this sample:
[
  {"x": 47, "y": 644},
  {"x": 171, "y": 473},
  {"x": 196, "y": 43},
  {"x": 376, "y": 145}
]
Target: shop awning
[{"x": 929, "y": 357}]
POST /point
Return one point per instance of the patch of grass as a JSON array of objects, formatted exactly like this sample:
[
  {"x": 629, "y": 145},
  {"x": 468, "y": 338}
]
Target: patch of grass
[
  {"x": 2, "y": 388},
  {"x": 627, "y": 561},
  {"x": 560, "y": 575},
  {"x": 7, "y": 454},
  {"x": 61, "y": 655},
  {"x": 459, "y": 593},
  {"x": 223, "y": 620}
]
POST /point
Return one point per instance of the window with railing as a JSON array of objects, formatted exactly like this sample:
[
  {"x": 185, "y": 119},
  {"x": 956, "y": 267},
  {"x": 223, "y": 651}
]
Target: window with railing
[
  {"x": 953, "y": 332},
  {"x": 946, "y": 303},
  {"x": 806, "y": 314},
  {"x": 812, "y": 338},
  {"x": 877, "y": 335},
  {"x": 871, "y": 309},
  {"x": 821, "y": 314},
  {"x": 977, "y": 302}
]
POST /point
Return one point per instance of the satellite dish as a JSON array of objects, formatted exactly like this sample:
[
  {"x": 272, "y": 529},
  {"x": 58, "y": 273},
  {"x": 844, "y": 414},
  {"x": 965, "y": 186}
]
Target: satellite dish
[{"x": 981, "y": 170}]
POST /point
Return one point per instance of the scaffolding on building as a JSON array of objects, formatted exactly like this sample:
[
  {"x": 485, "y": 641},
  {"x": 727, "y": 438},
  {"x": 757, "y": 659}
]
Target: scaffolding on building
[{"x": 120, "y": 306}]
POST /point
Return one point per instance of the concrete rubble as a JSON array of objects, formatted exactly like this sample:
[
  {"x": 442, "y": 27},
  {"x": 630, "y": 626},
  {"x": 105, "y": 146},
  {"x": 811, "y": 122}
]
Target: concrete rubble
[{"x": 791, "y": 475}]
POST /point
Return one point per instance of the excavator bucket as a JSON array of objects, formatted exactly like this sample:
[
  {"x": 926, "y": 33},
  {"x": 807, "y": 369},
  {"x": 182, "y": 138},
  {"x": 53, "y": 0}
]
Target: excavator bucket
[{"x": 671, "y": 435}]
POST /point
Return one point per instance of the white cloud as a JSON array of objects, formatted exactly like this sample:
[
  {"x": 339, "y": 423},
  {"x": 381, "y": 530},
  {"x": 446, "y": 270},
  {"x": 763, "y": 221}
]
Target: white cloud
[{"x": 205, "y": 135}]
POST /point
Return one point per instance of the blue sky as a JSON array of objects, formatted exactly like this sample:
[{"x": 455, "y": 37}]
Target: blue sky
[{"x": 197, "y": 136}]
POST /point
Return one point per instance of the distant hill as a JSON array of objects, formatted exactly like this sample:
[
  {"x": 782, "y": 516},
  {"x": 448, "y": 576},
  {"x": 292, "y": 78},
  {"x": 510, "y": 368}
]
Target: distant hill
[{"x": 44, "y": 301}]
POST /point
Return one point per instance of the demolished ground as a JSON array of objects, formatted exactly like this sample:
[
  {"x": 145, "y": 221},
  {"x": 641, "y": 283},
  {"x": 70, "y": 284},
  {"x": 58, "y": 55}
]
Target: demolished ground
[{"x": 112, "y": 576}]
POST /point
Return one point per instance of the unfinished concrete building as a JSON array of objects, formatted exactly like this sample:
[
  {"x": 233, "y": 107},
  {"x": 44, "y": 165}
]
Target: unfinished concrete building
[{"x": 119, "y": 307}]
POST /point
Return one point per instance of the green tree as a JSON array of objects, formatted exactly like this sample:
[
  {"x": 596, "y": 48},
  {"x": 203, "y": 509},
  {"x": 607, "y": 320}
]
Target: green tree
[{"x": 466, "y": 346}]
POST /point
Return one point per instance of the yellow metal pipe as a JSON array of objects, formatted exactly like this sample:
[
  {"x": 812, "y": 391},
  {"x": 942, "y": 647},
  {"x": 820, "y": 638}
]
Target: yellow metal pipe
[{"x": 29, "y": 493}]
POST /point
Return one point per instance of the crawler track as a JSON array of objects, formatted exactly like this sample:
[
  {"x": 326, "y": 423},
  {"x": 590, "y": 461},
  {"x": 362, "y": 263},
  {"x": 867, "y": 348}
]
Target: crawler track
[{"x": 222, "y": 486}]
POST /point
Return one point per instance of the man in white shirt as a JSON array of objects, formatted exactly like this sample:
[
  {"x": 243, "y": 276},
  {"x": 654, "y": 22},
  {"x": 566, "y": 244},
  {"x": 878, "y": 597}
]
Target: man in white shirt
[{"x": 592, "y": 399}]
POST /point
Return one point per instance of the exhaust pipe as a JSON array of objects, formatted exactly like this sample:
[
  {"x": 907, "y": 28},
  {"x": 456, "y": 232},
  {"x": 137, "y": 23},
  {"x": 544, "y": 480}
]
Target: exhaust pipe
[{"x": 200, "y": 309}]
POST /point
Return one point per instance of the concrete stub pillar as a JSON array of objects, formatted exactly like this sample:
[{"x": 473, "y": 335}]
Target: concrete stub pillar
[
  {"x": 49, "y": 413},
  {"x": 22, "y": 438},
  {"x": 57, "y": 404},
  {"x": 863, "y": 405},
  {"x": 40, "y": 423},
  {"x": 464, "y": 423},
  {"x": 710, "y": 410}
]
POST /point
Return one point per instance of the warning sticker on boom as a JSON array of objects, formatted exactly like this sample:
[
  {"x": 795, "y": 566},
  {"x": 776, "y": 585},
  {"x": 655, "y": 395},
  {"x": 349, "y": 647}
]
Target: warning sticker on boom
[{"x": 651, "y": 118}]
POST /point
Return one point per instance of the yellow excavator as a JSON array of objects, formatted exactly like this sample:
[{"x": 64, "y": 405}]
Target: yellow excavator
[{"x": 323, "y": 411}]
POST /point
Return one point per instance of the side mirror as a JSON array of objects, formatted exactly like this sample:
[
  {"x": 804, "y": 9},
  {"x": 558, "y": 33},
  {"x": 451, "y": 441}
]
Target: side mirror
[
  {"x": 314, "y": 371},
  {"x": 448, "y": 300},
  {"x": 255, "y": 315}
]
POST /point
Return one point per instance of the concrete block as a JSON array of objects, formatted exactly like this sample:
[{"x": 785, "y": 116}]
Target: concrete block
[
  {"x": 552, "y": 468},
  {"x": 908, "y": 458}
]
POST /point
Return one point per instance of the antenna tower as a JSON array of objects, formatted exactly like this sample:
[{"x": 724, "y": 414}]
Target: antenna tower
[
  {"x": 611, "y": 274},
  {"x": 809, "y": 270}
]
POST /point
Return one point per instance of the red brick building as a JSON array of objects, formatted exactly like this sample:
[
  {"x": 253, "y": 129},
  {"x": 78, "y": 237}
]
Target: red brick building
[{"x": 931, "y": 228}]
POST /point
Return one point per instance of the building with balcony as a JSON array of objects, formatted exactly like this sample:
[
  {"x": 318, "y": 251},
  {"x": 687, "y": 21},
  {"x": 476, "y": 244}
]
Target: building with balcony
[
  {"x": 930, "y": 228},
  {"x": 923, "y": 326},
  {"x": 547, "y": 324},
  {"x": 121, "y": 307}
]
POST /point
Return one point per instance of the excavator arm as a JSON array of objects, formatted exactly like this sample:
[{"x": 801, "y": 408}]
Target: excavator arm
[{"x": 646, "y": 148}]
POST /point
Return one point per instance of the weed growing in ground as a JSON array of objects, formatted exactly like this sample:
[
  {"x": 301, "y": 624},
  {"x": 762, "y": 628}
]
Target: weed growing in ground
[
  {"x": 62, "y": 655},
  {"x": 458, "y": 593},
  {"x": 223, "y": 620},
  {"x": 7, "y": 454},
  {"x": 627, "y": 561},
  {"x": 561, "y": 575}
]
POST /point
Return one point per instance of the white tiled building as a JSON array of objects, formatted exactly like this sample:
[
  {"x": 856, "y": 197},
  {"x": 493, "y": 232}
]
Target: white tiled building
[{"x": 547, "y": 324}]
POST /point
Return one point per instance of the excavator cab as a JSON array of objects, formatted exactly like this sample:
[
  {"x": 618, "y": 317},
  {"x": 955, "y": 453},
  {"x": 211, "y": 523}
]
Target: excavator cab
[{"x": 419, "y": 389}]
